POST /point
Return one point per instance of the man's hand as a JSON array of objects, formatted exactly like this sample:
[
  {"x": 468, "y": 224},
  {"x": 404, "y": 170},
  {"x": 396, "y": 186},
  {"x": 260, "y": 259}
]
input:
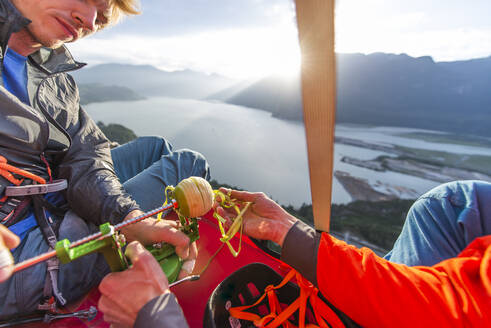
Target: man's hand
[
  {"x": 8, "y": 240},
  {"x": 150, "y": 231},
  {"x": 264, "y": 219},
  {"x": 125, "y": 293}
]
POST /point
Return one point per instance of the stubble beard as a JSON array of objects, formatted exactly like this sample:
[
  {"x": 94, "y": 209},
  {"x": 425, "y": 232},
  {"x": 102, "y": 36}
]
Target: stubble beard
[
  {"x": 29, "y": 39},
  {"x": 39, "y": 41}
]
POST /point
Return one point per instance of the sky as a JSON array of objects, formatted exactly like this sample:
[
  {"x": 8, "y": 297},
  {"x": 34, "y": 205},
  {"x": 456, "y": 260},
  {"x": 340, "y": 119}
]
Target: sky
[
  {"x": 446, "y": 30},
  {"x": 254, "y": 38}
]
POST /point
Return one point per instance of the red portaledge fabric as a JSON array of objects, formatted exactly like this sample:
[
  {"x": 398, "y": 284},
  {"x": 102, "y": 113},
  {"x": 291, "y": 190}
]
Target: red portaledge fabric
[{"x": 193, "y": 296}]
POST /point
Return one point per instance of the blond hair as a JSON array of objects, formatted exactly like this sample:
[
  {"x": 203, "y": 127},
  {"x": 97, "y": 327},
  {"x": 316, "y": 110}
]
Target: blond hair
[{"x": 122, "y": 8}]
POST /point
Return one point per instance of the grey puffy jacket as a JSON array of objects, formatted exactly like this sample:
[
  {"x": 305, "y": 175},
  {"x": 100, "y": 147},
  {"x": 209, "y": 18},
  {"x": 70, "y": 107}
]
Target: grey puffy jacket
[{"x": 56, "y": 127}]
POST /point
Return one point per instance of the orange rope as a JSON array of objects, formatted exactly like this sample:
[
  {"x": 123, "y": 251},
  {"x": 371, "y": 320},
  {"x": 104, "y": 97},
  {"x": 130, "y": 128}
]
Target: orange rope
[{"x": 6, "y": 171}]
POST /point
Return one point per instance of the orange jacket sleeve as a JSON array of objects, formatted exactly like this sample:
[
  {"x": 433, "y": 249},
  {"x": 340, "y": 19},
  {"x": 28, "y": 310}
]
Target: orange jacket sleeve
[{"x": 377, "y": 293}]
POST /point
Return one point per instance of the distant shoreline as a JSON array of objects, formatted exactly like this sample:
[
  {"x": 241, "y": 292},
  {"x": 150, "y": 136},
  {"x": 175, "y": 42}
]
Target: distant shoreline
[
  {"x": 360, "y": 189},
  {"x": 426, "y": 164}
]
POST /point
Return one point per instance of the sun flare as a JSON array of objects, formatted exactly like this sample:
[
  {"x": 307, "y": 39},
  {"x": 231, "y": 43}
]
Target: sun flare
[
  {"x": 237, "y": 53},
  {"x": 257, "y": 53}
]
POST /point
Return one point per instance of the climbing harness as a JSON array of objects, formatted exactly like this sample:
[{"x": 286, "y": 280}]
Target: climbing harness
[
  {"x": 15, "y": 204},
  {"x": 13, "y": 199}
]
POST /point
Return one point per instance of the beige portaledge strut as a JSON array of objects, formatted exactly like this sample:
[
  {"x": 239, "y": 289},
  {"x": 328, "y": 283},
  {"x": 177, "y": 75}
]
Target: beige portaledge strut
[{"x": 315, "y": 19}]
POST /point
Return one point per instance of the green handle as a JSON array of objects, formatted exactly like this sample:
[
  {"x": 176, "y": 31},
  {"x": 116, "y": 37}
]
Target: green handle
[
  {"x": 111, "y": 248},
  {"x": 166, "y": 255}
]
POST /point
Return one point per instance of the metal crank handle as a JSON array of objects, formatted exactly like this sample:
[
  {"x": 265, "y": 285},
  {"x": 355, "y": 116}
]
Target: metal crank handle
[{"x": 188, "y": 278}]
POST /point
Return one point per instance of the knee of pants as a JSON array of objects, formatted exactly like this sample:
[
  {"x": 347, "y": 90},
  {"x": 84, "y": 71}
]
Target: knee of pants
[
  {"x": 73, "y": 227},
  {"x": 134, "y": 157},
  {"x": 159, "y": 144},
  {"x": 456, "y": 208},
  {"x": 442, "y": 203},
  {"x": 194, "y": 163}
]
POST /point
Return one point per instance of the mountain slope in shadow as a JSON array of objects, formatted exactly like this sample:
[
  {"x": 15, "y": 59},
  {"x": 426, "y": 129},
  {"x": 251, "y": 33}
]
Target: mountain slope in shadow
[{"x": 393, "y": 90}]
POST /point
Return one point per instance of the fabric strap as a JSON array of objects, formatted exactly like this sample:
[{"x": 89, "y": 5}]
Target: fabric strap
[
  {"x": 315, "y": 20},
  {"x": 51, "y": 284}
]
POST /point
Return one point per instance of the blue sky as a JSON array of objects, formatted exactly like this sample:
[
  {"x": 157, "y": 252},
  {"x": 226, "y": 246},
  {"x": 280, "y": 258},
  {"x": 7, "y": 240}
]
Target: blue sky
[{"x": 250, "y": 38}]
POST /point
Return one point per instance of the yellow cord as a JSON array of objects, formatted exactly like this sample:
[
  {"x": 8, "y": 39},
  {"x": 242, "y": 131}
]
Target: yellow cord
[
  {"x": 237, "y": 225},
  {"x": 168, "y": 190},
  {"x": 225, "y": 201}
]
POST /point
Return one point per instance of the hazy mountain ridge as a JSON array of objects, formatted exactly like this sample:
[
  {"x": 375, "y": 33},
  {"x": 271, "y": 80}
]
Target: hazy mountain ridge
[
  {"x": 379, "y": 89},
  {"x": 150, "y": 81}
]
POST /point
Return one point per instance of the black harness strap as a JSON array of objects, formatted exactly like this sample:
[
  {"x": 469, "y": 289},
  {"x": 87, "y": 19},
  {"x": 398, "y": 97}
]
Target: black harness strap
[
  {"x": 14, "y": 204},
  {"x": 8, "y": 208},
  {"x": 51, "y": 284},
  {"x": 13, "y": 210}
]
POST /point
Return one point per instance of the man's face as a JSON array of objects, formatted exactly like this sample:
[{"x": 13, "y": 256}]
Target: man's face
[{"x": 55, "y": 22}]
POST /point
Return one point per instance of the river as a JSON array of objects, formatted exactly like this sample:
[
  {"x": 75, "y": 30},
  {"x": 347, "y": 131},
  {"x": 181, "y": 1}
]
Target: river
[{"x": 251, "y": 149}]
